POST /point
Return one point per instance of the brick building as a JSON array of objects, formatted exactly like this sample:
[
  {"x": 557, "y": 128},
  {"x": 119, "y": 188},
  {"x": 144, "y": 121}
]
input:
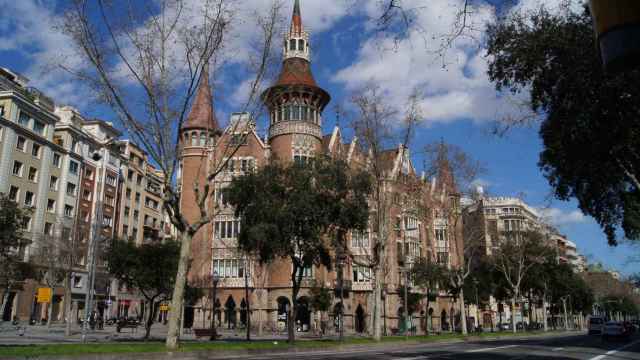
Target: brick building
[{"x": 295, "y": 106}]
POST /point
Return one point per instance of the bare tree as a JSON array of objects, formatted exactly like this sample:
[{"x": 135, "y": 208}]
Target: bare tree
[
  {"x": 377, "y": 129},
  {"x": 515, "y": 256},
  {"x": 56, "y": 258},
  {"x": 456, "y": 171},
  {"x": 146, "y": 62}
]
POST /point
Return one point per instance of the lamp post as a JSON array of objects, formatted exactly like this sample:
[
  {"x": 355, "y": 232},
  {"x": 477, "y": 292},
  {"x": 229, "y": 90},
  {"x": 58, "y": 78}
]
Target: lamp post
[
  {"x": 384, "y": 310},
  {"x": 215, "y": 278},
  {"x": 341, "y": 261},
  {"x": 406, "y": 305}
]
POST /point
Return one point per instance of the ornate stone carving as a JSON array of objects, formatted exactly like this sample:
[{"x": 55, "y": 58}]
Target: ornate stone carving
[{"x": 295, "y": 127}]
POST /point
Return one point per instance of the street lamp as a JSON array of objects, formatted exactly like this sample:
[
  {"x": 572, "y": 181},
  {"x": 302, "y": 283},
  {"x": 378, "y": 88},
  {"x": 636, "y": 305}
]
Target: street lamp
[
  {"x": 215, "y": 278},
  {"x": 341, "y": 261}
]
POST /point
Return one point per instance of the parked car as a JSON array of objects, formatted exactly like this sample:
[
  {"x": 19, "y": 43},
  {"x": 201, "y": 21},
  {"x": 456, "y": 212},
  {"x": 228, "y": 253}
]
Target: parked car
[
  {"x": 595, "y": 325},
  {"x": 505, "y": 326},
  {"x": 615, "y": 329}
]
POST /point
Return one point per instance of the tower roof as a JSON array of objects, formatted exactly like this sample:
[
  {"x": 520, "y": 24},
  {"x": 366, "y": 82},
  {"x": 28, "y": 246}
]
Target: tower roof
[
  {"x": 296, "y": 71},
  {"x": 202, "y": 115},
  {"x": 296, "y": 20}
]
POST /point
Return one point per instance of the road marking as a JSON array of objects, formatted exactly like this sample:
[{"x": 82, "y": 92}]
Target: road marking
[
  {"x": 557, "y": 349},
  {"x": 613, "y": 352},
  {"x": 491, "y": 349}
]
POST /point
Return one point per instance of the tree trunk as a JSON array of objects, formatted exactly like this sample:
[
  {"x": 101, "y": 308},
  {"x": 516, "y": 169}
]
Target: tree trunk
[
  {"x": 5, "y": 301},
  {"x": 150, "y": 318},
  {"x": 544, "y": 312},
  {"x": 377, "y": 305},
  {"x": 67, "y": 306},
  {"x": 513, "y": 313},
  {"x": 463, "y": 314},
  {"x": 178, "y": 292},
  {"x": 50, "y": 310}
]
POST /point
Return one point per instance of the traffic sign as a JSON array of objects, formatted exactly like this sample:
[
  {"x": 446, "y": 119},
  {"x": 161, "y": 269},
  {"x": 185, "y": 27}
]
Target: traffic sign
[{"x": 44, "y": 295}]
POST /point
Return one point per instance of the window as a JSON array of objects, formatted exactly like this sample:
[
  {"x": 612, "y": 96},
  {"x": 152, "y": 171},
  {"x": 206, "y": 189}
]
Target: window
[
  {"x": 292, "y": 44},
  {"x": 17, "y": 168},
  {"x": 137, "y": 198},
  {"x": 77, "y": 281},
  {"x": 107, "y": 221},
  {"x": 229, "y": 268},
  {"x": 33, "y": 174},
  {"x": 53, "y": 183},
  {"x": 26, "y": 223},
  {"x": 247, "y": 165},
  {"x": 111, "y": 180},
  {"x": 139, "y": 180},
  {"x": 301, "y": 45},
  {"x": 14, "y": 192},
  {"x": 85, "y": 216},
  {"x": 238, "y": 139},
  {"x": 125, "y": 230},
  {"x": 23, "y": 119},
  {"x": 194, "y": 139},
  {"x": 203, "y": 139},
  {"x": 39, "y": 127},
  {"x": 361, "y": 274},
  {"x": 359, "y": 239},
  {"x": 68, "y": 210},
  {"x": 86, "y": 195},
  {"x": 35, "y": 150},
  {"x": 73, "y": 167},
  {"x": 56, "y": 160},
  {"x": 21, "y": 144},
  {"x": 48, "y": 228},
  {"x": 28, "y": 198},
  {"x": 1, "y": 110},
  {"x": 51, "y": 205},
  {"x": 126, "y": 211},
  {"x": 88, "y": 174},
  {"x": 136, "y": 214},
  {"x": 130, "y": 175},
  {"x": 109, "y": 200},
  {"x": 151, "y": 203},
  {"x": 443, "y": 258},
  {"x": 71, "y": 189},
  {"x": 301, "y": 159},
  {"x": 227, "y": 229},
  {"x": 128, "y": 193},
  {"x": 134, "y": 233},
  {"x": 306, "y": 272}
]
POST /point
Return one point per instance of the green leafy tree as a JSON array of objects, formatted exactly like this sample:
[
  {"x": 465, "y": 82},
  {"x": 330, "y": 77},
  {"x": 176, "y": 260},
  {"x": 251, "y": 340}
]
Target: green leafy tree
[
  {"x": 428, "y": 275},
  {"x": 287, "y": 211},
  {"x": 149, "y": 268},
  {"x": 13, "y": 271},
  {"x": 590, "y": 125},
  {"x": 320, "y": 301}
]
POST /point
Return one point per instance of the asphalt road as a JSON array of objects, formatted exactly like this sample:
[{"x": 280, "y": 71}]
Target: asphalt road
[{"x": 564, "y": 347}]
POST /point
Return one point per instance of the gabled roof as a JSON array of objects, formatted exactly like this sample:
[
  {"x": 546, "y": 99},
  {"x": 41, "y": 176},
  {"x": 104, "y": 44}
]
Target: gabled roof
[{"x": 202, "y": 115}]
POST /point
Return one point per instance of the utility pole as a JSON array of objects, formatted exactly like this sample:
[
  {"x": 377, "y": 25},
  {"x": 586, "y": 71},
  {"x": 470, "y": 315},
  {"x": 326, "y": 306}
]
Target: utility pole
[
  {"x": 406, "y": 304},
  {"x": 341, "y": 259},
  {"x": 246, "y": 297}
]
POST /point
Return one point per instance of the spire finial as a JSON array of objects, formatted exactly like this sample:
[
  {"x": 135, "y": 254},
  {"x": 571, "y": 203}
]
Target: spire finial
[{"x": 296, "y": 22}]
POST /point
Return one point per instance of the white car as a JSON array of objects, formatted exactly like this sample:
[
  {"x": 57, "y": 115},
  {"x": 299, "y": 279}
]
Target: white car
[
  {"x": 614, "y": 329},
  {"x": 595, "y": 325}
]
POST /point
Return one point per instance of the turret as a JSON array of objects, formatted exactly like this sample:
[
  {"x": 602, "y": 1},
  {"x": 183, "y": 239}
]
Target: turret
[{"x": 295, "y": 101}]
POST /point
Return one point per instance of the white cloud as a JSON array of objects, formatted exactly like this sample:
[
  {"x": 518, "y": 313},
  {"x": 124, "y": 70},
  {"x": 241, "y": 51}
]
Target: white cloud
[{"x": 559, "y": 217}]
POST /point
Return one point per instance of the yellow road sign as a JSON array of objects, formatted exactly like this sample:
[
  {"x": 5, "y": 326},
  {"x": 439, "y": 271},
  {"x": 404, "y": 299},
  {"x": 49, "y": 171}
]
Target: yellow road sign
[{"x": 44, "y": 295}]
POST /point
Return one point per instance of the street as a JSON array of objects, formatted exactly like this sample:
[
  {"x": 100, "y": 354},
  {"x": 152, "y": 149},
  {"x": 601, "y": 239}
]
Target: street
[{"x": 563, "y": 347}]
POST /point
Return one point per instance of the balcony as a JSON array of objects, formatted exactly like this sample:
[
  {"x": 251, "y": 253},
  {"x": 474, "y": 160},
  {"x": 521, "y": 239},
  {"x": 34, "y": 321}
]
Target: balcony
[
  {"x": 347, "y": 285},
  {"x": 362, "y": 286}
]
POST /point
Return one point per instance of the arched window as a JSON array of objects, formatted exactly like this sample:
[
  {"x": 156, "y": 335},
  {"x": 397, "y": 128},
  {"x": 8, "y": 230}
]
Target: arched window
[
  {"x": 194, "y": 139},
  {"x": 301, "y": 45},
  {"x": 287, "y": 113},
  {"x": 296, "y": 113},
  {"x": 186, "y": 138},
  {"x": 292, "y": 44},
  {"x": 313, "y": 115},
  {"x": 212, "y": 140},
  {"x": 203, "y": 139}
]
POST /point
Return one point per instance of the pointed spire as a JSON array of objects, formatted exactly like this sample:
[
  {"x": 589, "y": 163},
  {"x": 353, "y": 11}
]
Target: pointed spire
[
  {"x": 296, "y": 21},
  {"x": 202, "y": 115}
]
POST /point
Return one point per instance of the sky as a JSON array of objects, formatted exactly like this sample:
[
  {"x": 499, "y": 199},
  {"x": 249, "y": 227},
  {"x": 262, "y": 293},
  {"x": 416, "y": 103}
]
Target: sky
[{"x": 458, "y": 101}]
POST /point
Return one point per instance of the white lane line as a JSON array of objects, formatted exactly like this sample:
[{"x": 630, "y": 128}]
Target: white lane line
[
  {"x": 557, "y": 349},
  {"x": 613, "y": 352},
  {"x": 491, "y": 349}
]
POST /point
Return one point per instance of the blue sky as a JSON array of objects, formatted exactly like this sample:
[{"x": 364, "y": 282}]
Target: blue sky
[{"x": 458, "y": 102}]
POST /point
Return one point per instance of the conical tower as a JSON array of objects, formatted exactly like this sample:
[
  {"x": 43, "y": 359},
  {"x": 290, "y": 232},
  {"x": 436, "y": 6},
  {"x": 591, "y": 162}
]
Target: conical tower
[{"x": 295, "y": 101}]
